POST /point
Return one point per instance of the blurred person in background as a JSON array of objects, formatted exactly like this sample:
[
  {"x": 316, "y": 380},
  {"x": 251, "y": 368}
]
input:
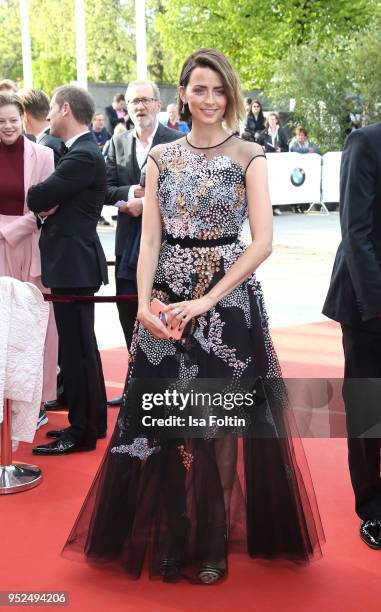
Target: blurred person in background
[
  {"x": 98, "y": 129},
  {"x": 300, "y": 142},
  {"x": 118, "y": 129},
  {"x": 117, "y": 113},
  {"x": 36, "y": 109},
  {"x": 274, "y": 140},
  {"x": 255, "y": 122},
  {"x": 174, "y": 122},
  {"x": 8, "y": 86},
  {"x": 274, "y": 137}
]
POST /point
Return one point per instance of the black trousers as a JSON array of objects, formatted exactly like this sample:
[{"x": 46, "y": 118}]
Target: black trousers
[
  {"x": 127, "y": 310},
  {"x": 81, "y": 363},
  {"x": 362, "y": 398}
]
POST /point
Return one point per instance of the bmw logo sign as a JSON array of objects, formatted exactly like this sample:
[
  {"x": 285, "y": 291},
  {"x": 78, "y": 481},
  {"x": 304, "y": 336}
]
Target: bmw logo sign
[{"x": 298, "y": 176}]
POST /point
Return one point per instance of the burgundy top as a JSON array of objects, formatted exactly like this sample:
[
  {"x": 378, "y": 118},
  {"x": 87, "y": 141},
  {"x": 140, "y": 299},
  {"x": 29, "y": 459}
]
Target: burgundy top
[{"x": 12, "y": 193}]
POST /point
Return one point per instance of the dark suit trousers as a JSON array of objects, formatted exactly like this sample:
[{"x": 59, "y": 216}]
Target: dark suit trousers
[
  {"x": 81, "y": 363},
  {"x": 127, "y": 310},
  {"x": 362, "y": 398}
]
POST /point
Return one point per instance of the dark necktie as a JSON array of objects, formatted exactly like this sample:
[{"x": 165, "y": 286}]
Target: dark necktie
[{"x": 63, "y": 148}]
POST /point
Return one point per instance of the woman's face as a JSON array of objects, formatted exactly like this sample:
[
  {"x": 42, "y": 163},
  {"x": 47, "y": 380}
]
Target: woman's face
[
  {"x": 10, "y": 124},
  {"x": 205, "y": 96},
  {"x": 272, "y": 122},
  {"x": 255, "y": 108}
]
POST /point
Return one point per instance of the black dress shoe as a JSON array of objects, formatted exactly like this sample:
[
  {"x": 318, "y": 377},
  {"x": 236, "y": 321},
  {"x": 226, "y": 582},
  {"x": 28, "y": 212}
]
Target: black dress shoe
[
  {"x": 62, "y": 446},
  {"x": 115, "y": 401},
  {"x": 370, "y": 533},
  {"x": 54, "y": 405},
  {"x": 57, "y": 433}
]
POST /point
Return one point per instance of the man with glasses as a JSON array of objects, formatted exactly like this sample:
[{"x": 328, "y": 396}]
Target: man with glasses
[{"x": 126, "y": 162}]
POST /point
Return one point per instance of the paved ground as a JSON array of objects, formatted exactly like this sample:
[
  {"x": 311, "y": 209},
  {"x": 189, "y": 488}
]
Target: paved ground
[{"x": 295, "y": 278}]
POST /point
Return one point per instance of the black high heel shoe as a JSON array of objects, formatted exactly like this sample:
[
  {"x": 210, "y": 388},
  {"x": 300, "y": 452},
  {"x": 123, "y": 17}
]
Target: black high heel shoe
[
  {"x": 210, "y": 575},
  {"x": 170, "y": 567},
  {"x": 171, "y": 561}
]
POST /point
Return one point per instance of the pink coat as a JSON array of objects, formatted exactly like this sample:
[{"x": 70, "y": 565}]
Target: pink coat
[
  {"x": 38, "y": 165},
  {"x": 20, "y": 252}
]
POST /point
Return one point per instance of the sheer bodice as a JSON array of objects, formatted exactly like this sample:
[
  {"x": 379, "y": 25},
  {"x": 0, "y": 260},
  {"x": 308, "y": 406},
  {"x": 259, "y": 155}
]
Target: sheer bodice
[{"x": 202, "y": 192}]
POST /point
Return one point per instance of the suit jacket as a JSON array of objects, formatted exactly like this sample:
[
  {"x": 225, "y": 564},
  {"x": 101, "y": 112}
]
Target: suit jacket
[
  {"x": 266, "y": 140},
  {"x": 71, "y": 252},
  {"x": 38, "y": 165},
  {"x": 111, "y": 119},
  {"x": 354, "y": 295},
  {"x": 122, "y": 172},
  {"x": 52, "y": 142}
]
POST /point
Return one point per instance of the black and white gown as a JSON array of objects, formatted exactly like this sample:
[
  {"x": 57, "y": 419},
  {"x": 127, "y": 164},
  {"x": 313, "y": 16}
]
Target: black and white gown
[{"x": 194, "y": 499}]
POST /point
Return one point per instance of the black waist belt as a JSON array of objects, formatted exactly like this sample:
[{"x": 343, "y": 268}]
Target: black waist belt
[{"x": 196, "y": 242}]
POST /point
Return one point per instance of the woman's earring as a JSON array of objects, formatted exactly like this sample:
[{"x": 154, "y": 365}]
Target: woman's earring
[{"x": 183, "y": 108}]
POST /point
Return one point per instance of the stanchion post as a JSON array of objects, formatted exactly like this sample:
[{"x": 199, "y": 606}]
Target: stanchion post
[{"x": 6, "y": 435}]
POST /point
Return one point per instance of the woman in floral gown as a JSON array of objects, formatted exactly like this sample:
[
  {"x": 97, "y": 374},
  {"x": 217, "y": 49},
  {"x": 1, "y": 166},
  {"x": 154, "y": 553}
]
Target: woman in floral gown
[{"x": 179, "y": 504}]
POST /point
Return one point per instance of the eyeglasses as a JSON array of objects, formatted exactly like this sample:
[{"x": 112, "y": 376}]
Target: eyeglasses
[{"x": 145, "y": 101}]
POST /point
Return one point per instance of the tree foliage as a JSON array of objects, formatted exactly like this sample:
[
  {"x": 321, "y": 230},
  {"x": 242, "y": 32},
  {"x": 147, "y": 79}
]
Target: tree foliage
[
  {"x": 302, "y": 48},
  {"x": 110, "y": 35},
  {"x": 324, "y": 79},
  {"x": 253, "y": 34},
  {"x": 10, "y": 43}
]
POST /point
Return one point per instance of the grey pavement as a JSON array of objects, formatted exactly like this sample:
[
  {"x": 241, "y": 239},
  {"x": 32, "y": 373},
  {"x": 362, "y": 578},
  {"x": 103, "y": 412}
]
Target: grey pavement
[{"x": 294, "y": 279}]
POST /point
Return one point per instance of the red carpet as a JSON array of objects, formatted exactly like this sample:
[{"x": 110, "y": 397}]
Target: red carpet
[{"x": 34, "y": 524}]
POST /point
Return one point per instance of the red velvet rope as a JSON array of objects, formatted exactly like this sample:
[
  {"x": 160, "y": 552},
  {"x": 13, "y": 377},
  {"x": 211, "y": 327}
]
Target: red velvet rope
[{"x": 68, "y": 299}]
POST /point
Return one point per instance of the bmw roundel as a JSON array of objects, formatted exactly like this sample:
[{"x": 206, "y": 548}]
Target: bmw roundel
[{"x": 298, "y": 176}]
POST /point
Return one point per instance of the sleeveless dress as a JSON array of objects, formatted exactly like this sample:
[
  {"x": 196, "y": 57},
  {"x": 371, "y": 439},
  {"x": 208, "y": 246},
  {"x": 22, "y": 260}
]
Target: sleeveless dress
[{"x": 193, "y": 499}]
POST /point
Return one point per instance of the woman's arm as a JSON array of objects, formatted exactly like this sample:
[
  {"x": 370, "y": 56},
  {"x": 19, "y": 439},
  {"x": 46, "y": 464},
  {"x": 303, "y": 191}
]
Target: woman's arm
[
  {"x": 261, "y": 226},
  {"x": 150, "y": 245}
]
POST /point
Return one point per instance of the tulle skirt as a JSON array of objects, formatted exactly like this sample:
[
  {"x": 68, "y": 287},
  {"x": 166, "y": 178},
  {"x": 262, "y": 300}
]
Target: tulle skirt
[{"x": 176, "y": 505}]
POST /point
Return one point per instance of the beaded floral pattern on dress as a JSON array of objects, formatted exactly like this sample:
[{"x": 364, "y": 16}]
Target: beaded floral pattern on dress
[{"x": 203, "y": 198}]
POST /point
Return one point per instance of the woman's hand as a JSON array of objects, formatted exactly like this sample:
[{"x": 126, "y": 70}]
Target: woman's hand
[
  {"x": 180, "y": 313},
  {"x": 51, "y": 211},
  {"x": 153, "y": 324}
]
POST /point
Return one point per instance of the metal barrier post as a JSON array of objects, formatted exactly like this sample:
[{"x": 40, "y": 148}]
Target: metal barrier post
[{"x": 14, "y": 477}]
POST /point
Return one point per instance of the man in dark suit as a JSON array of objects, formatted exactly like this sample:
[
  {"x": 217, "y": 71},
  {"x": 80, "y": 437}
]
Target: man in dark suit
[
  {"x": 126, "y": 161},
  {"x": 69, "y": 204},
  {"x": 116, "y": 113},
  {"x": 354, "y": 299}
]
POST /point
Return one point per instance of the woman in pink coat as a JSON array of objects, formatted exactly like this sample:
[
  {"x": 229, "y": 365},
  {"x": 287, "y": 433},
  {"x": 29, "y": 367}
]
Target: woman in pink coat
[{"x": 22, "y": 164}]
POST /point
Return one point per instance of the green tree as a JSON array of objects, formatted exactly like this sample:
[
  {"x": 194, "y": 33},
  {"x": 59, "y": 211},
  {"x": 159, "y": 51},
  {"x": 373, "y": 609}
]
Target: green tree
[
  {"x": 317, "y": 78},
  {"x": 111, "y": 40},
  {"x": 109, "y": 34},
  {"x": 365, "y": 60},
  {"x": 323, "y": 80},
  {"x": 253, "y": 34},
  {"x": 10, "y": 42},
  {"x": 52, "y": 29}
]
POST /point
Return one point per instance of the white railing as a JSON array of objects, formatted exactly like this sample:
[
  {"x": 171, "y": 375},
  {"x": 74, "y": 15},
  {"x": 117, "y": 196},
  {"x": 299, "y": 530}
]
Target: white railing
[{"x": 296, "y": 178}]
